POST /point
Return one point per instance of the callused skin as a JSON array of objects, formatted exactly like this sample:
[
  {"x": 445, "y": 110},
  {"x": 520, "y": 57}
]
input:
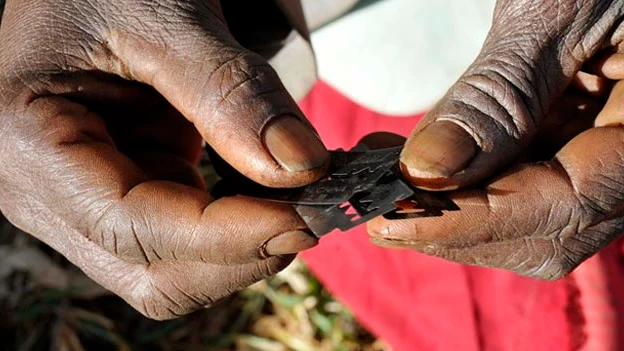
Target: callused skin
[
  {"x": 536, "y": 95},
  {"x": 104, "y": 105}
]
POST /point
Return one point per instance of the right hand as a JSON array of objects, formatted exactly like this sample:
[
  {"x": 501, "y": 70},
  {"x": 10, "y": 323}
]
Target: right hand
[
  {"x": 104, "y": 106},
  {"x": 533, "y": 143}
]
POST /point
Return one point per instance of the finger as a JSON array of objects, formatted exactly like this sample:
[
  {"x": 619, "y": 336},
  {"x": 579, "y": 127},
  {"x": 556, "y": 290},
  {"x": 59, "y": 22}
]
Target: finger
[
  {"x": 608, "y": 64},
  {"x": 499, "y": 212},
  {"x": 563, "y": 211},
  {"x": 232, "y": 95},
  {"x": 613, "y": 111},
  {"x": 221, "y": 167},
  {"x": 104, "y": 195},
  {"x": 161, "y": 290},
  {"x": 592, "y": 85},
  {"x": 548, "y": 259},
  {"x": 490, "y": 115}
]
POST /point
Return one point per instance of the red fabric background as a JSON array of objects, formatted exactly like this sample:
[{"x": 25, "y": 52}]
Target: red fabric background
[{"x": 416, "y": 302}]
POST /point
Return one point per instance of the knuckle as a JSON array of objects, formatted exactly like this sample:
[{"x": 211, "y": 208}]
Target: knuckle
[
  {"x": 550, "y": 261},
  {"x": 240, "y": 77},
  {"x": 584, "y": 244},
  {"x": 120, "y": 233},
  {"x": 154, "y": 302},
  {"x": 573, "y": 29},
  {"x": 48, "y": 38},
  {"x": 593, "y": 163},
  {"x": 594, "y": 20},
  {"x": 142, "y": 298},
  {"x": 496, "y": 92},
  {"x": 491, "y": 102},
  {"x": 230, "y": 68},
  {"x": 600, "y": 194},
  {"x": 596, "y": 192}
]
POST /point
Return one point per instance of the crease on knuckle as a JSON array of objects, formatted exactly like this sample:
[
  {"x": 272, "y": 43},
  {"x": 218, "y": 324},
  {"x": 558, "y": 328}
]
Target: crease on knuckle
[
  {"x": 554, "y": 261},
  {"x": 154, "y": 302},
  {"x": 605, "y": 194},
  {"x": 591, "y": 193},
  {"x": 591, "y": 240},
  {"x": 241, "y": 77},
  {"x": 114, "y": 226},
  {"x": 579, "y": 247},
  {"x": 595, "y": 21},
  {"x": 513, "y": 66},
  {"x": 492, "y": 96},
  {"x": 58, "y": 39}
]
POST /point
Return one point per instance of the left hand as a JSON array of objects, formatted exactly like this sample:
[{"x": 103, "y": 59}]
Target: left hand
[
  {"x": 103, "y": 108},
  {"x": 537, "y": 90}
]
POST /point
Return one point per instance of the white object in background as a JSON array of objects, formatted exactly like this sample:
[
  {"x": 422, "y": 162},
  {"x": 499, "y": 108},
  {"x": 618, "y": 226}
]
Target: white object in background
[
  {"x": 398, "y": 57},
  {"x": 320, "y": 12}
]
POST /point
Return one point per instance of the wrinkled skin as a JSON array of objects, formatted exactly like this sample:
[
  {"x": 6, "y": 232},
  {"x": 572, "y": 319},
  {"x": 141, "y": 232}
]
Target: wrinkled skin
[
  {"x": 528, "y": 137},
  {"x": 104, "y": 107},
  {"x": 105, "y": 104}
]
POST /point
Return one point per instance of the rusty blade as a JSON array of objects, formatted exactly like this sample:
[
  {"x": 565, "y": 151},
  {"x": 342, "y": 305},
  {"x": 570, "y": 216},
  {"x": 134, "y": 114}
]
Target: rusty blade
[{"x": 360, "y": 185}]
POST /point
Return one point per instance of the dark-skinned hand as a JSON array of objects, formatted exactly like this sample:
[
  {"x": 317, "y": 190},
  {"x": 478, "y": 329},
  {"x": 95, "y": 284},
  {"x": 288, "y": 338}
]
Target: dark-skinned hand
[
  {"x": 529, "y": 138},
  {"x": 104, "y": 107}
]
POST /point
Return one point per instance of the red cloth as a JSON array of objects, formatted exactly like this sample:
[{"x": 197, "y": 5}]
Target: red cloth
[{"x": 416, "y": 302}]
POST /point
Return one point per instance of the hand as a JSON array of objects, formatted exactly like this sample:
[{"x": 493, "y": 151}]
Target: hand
[
  {"x": 104, "y": 107},
  {"x": 536, "y": 92}
]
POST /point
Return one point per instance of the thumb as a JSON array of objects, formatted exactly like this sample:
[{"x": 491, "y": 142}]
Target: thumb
[
  {"x": 232, "y": 96},
  {"x": 490, "y": 115}
]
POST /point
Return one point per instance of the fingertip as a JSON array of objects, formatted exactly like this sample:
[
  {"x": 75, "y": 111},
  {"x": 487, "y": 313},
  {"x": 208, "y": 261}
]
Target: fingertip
[
  {"x": 256, "y": 230},
  {"x": 432, "y": 156},
  {"x": 288, "y": 243},
  {"x": 277, "y": 177},
  {"x": 376, "y": 227},
  {"x": 287, "y": 154},
  {"x": 294, "y": 145},
  {"x": 611, "y": 113},
  {"x": 384, "y": 229},
  {"x": 607, "y": 64},
  {"x": 394, "y": 234},
  {"x": 388, "y": 244}
]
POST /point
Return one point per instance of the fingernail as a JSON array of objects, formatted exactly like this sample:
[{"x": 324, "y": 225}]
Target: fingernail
[
  {"x": 294, "y": 145},
  {"x": 439, "y": 151},
  {"x": 289, "y": 243},
  {"x": 388, "y": 244}
]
